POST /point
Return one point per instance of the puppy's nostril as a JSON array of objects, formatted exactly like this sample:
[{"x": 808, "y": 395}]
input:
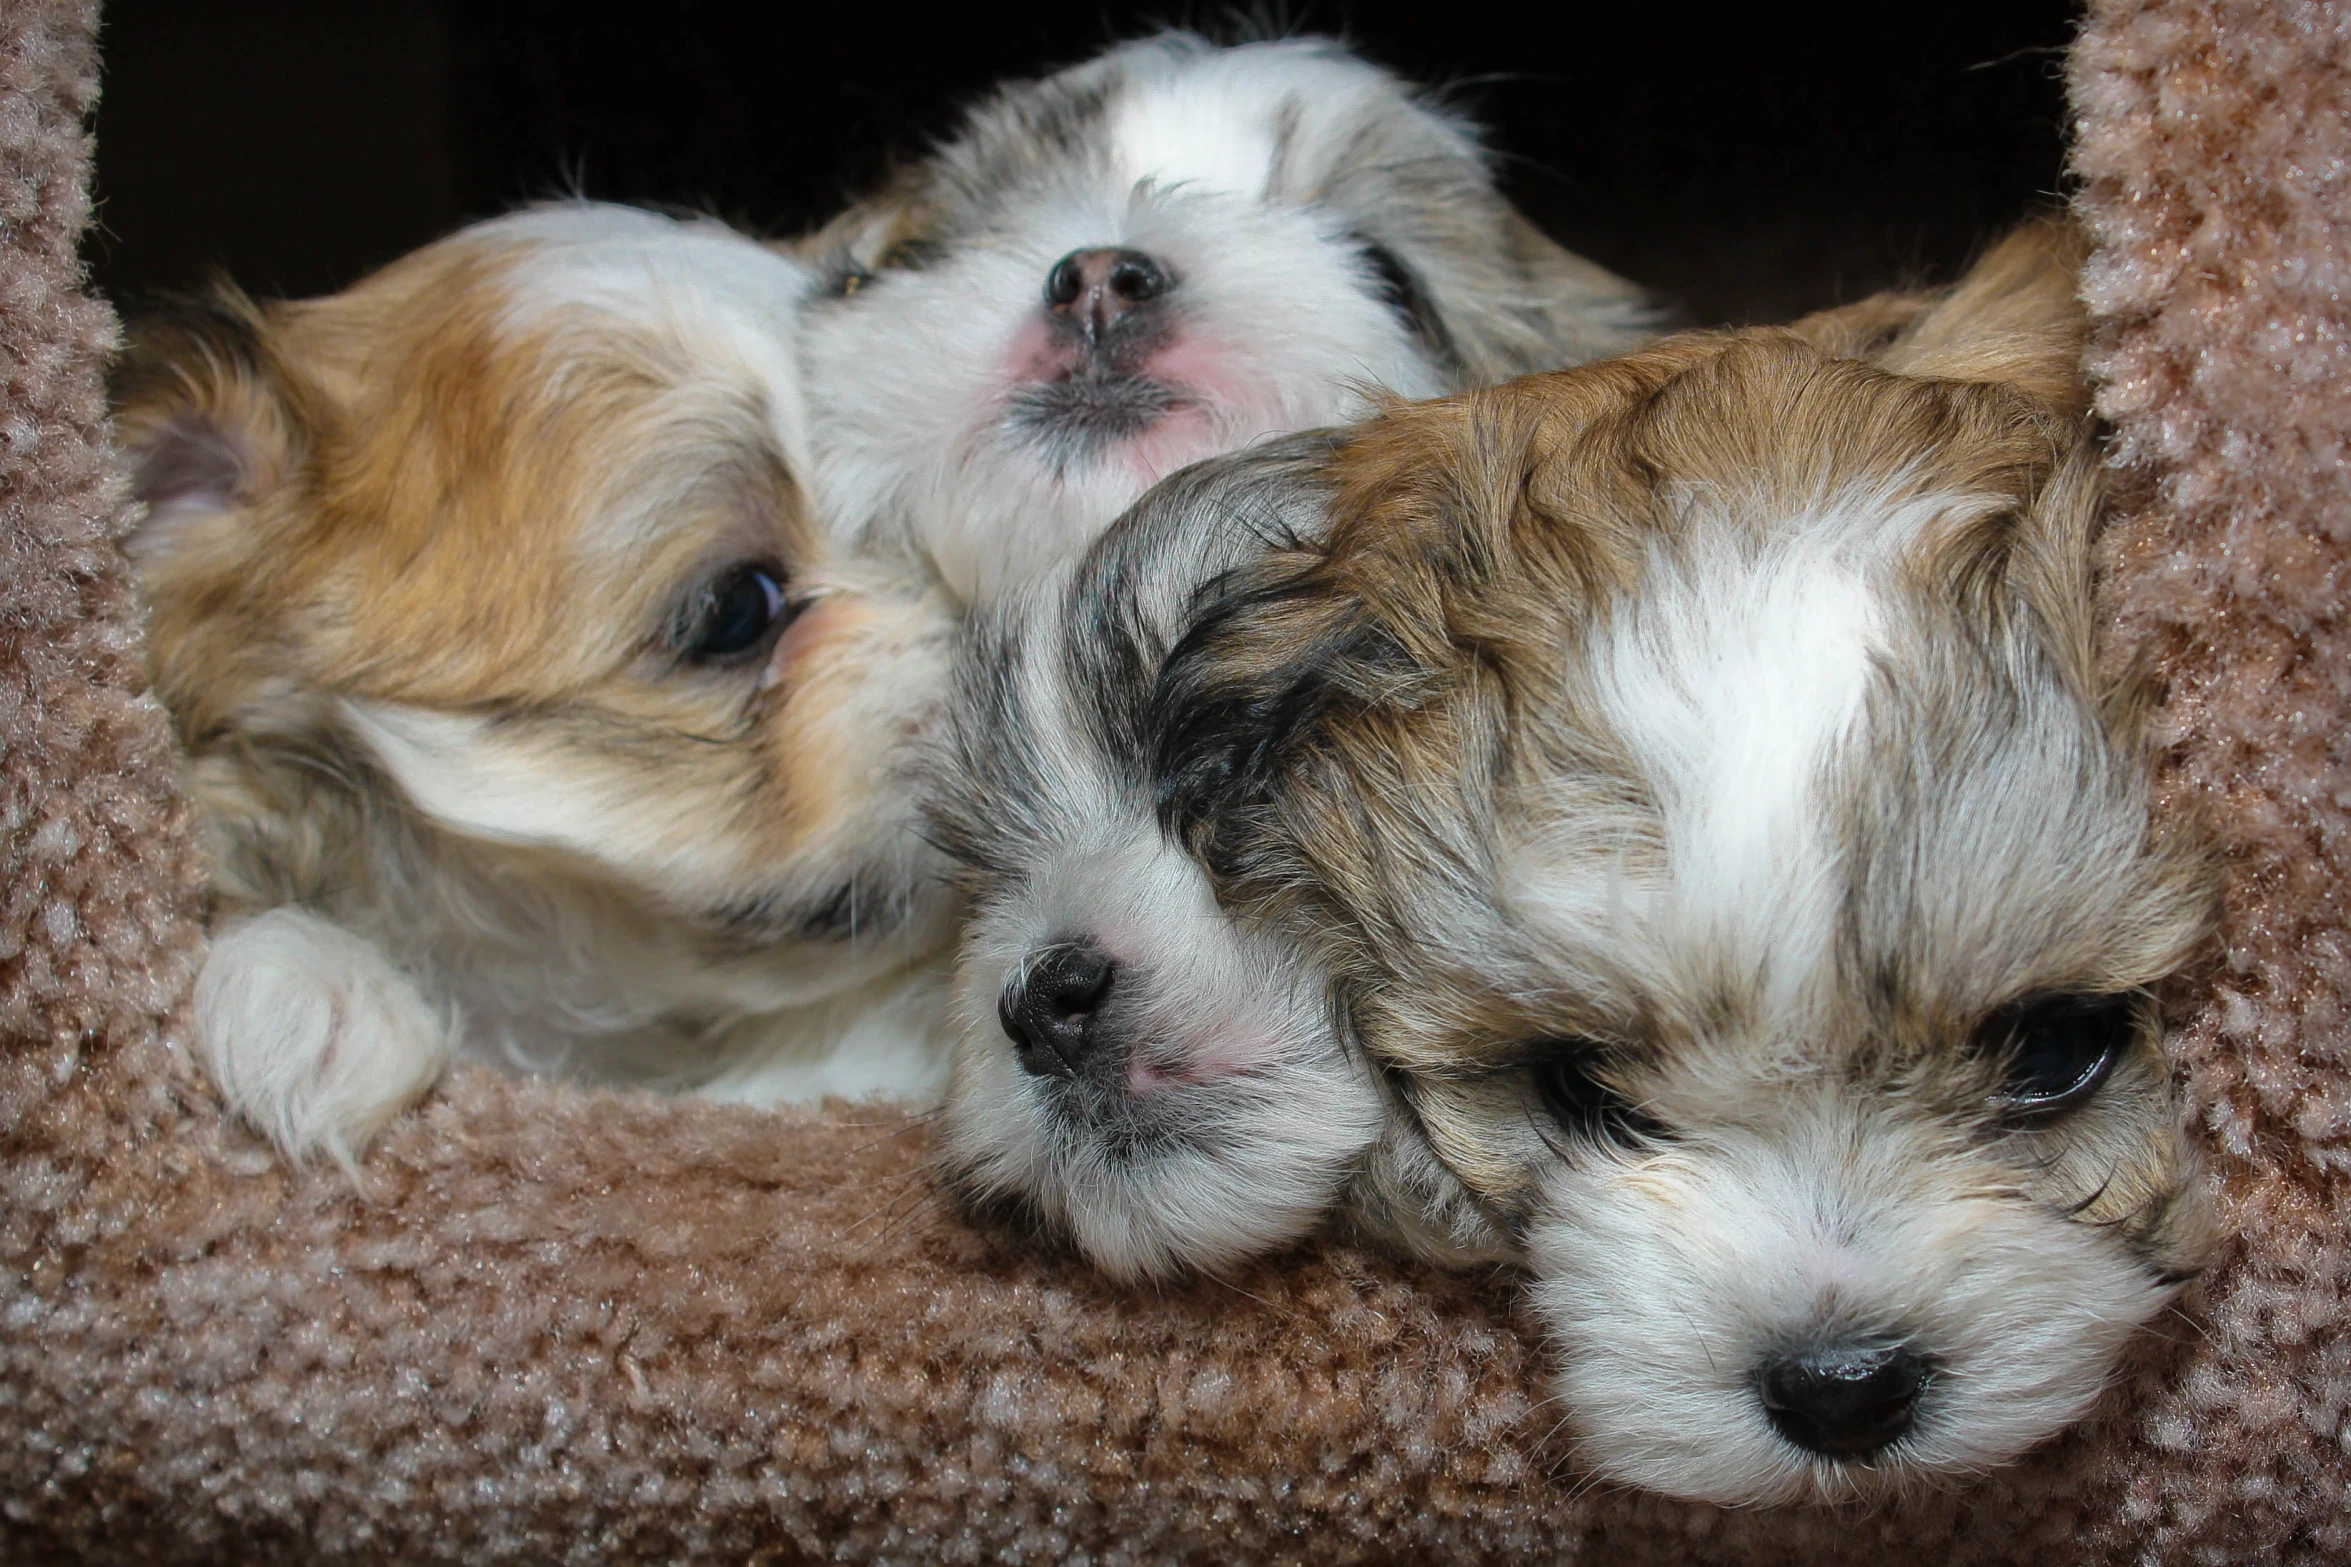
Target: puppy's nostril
[
  {"x": 1067, "y": 280},
  {"x": 1135, "y": 277},
  {"x": 1047, "y": 1008},
  {"x": 1095, "y": 288},
  {"x": 1845, "y": 1400}
]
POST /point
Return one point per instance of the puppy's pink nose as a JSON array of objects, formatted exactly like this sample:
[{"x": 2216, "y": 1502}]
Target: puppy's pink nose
[{"x": 1094, "y": 290}]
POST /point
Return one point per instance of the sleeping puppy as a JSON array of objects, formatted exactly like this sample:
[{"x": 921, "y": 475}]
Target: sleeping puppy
[
  {"x": 1697, "y": 775},
  {"x": 526, "y": 704},
  {"x": 1155, "y": 257},
  {"x": 1160, "y": 1082},
  {"x": 1134, "y": 1071}
]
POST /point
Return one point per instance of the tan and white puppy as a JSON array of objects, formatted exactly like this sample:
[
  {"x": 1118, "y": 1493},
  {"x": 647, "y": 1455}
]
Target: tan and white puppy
[
  {"x": 1697, "y": 774},
  {"x": 528, "y": 708},
  {"x": 1154, "y": 257}
]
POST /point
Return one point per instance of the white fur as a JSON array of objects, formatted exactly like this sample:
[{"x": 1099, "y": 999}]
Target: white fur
[
  {"x": 466, "y": 774},
  {"x": 1663, "y": 1280},
  {"x": 313, "y": 1034},
  {"x": 1248, "y": 173},
  {"x": 1731, "y": 674},
  {"x": 1278, "y": 1121}
]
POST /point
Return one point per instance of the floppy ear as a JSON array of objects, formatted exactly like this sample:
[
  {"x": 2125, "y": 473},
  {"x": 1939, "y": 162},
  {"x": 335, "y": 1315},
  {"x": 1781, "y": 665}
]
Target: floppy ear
[
  {"x": 2015, "y": 318},
  {"x": 853, "y": 242},
  {"x": 1272, "y": 658},
  {"x": 1307, "y": 652},
  {"x": 205, "y": 419}
]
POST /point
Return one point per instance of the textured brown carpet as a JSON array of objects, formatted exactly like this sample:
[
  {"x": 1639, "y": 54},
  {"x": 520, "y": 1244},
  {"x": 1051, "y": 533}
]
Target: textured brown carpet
[{"x": 564, "y": 1327}]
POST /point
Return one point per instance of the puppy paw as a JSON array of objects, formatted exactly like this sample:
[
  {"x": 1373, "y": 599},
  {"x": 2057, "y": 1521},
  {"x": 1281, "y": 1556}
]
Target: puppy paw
[{"x": 312, "y": 1035}]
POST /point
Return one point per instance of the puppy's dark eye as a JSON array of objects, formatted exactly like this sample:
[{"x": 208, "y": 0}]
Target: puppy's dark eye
[
  {"x": 735, "y": 613},
  {"x": 1566, "y": 1071},
  {"x": 2054, "y": 1051}
]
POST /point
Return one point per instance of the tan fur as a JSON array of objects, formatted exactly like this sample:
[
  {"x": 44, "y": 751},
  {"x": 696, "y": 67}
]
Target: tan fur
[
  {"x": 1373, "y": 738},
  {"x": 452, "y": 496}
]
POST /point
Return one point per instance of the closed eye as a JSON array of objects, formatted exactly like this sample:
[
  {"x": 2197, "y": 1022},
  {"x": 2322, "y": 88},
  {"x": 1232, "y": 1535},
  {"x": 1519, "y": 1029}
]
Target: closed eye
[{"x": 1568, "y": 1072}]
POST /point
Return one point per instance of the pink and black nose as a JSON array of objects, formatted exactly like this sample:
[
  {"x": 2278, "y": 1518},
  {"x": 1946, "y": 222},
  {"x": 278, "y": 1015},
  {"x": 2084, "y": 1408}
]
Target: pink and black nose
[
  {"x": 1844, "y": 1400},
  {"x": 1048, "y": 1008},
  {"x": 1098, "y": 290}
]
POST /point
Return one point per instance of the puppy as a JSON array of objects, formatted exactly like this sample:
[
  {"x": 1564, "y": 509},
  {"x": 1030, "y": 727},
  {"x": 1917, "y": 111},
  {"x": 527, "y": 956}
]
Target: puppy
[
  {"x": 1134, "y": 1070},
  {"x": 1155, "y": 257},
  {"x": 527, "y": 706},
  {"x": 1696, "y": 774}
]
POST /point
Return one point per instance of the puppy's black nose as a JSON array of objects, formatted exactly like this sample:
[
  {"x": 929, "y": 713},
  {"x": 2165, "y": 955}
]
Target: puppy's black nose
[
  {"x": 1095, "y": 290},
  {"x": 1046, "y": 1008},
  {"x": 1844, "y": 1400}
]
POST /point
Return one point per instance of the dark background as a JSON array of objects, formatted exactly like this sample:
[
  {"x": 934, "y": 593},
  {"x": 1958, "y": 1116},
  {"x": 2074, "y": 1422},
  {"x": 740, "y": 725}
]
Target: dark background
[{"x": 1745, "y": 161}]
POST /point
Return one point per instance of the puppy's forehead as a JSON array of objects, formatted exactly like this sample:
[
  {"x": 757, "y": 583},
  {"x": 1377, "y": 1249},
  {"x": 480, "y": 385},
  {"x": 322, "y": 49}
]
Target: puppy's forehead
[
  {"x": 1780, "y": 751},
  {"x": 698, "y": 306},
  {"x": 548, "y": 422},
  {"x": 1258, "y": 121}
]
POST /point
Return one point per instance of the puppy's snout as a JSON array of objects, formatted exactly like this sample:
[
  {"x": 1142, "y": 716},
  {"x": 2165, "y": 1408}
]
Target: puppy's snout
[
  {"x": 1844, "y": 1400},
  {"x": 1095, "y": 290},
  {"x": 1048, "y": 1008}
]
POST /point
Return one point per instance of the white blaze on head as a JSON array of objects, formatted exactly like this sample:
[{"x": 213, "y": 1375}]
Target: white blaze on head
[{"x": 1731, "y": 675}]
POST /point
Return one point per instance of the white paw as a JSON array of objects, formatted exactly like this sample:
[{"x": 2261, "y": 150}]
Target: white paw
[{"x": 311, "y": 1033}]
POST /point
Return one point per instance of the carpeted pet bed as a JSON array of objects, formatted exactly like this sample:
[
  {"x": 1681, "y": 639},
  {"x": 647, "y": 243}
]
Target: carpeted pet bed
[{"x": 570, "y": 1327}]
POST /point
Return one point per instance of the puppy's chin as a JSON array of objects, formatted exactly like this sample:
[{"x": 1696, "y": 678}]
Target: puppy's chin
[
  {"x": 1200, "y": 1112},
  {"x": 1691, "y": 1290}
]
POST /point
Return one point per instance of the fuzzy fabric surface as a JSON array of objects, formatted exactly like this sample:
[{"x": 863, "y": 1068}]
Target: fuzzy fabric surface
[{"x": 566, "y": 1327}]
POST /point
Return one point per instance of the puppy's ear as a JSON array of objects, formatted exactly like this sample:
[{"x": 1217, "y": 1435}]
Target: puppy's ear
[
  {"x": 1274, "y": 660},
  {"x": 2015, "y": 318},
  {"x": 863, "y": 237},
  {"x": 1304, "y": 672},
  {"x": 206, "y": 419}
]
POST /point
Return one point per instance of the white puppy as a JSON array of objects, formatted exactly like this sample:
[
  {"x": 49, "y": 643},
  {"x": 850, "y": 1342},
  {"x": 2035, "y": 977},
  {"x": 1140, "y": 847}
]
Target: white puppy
[{"x": 1157, "y": 256}]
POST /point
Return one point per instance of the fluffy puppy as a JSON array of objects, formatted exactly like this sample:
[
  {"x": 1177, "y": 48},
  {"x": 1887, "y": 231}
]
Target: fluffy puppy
[
  {"x": 1697, "y": 774},
  {"x": 1158, "y": 1083},
  {"x": 526, "y": 705},
  {"x": 1154, "y": 257}
]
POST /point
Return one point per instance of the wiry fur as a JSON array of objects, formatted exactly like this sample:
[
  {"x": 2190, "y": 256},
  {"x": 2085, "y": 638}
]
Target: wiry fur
[
  {"x": 420, "y": 563},
  {"x": 1718, "y": 732},
  {"x": 1326, "y": 232}
]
